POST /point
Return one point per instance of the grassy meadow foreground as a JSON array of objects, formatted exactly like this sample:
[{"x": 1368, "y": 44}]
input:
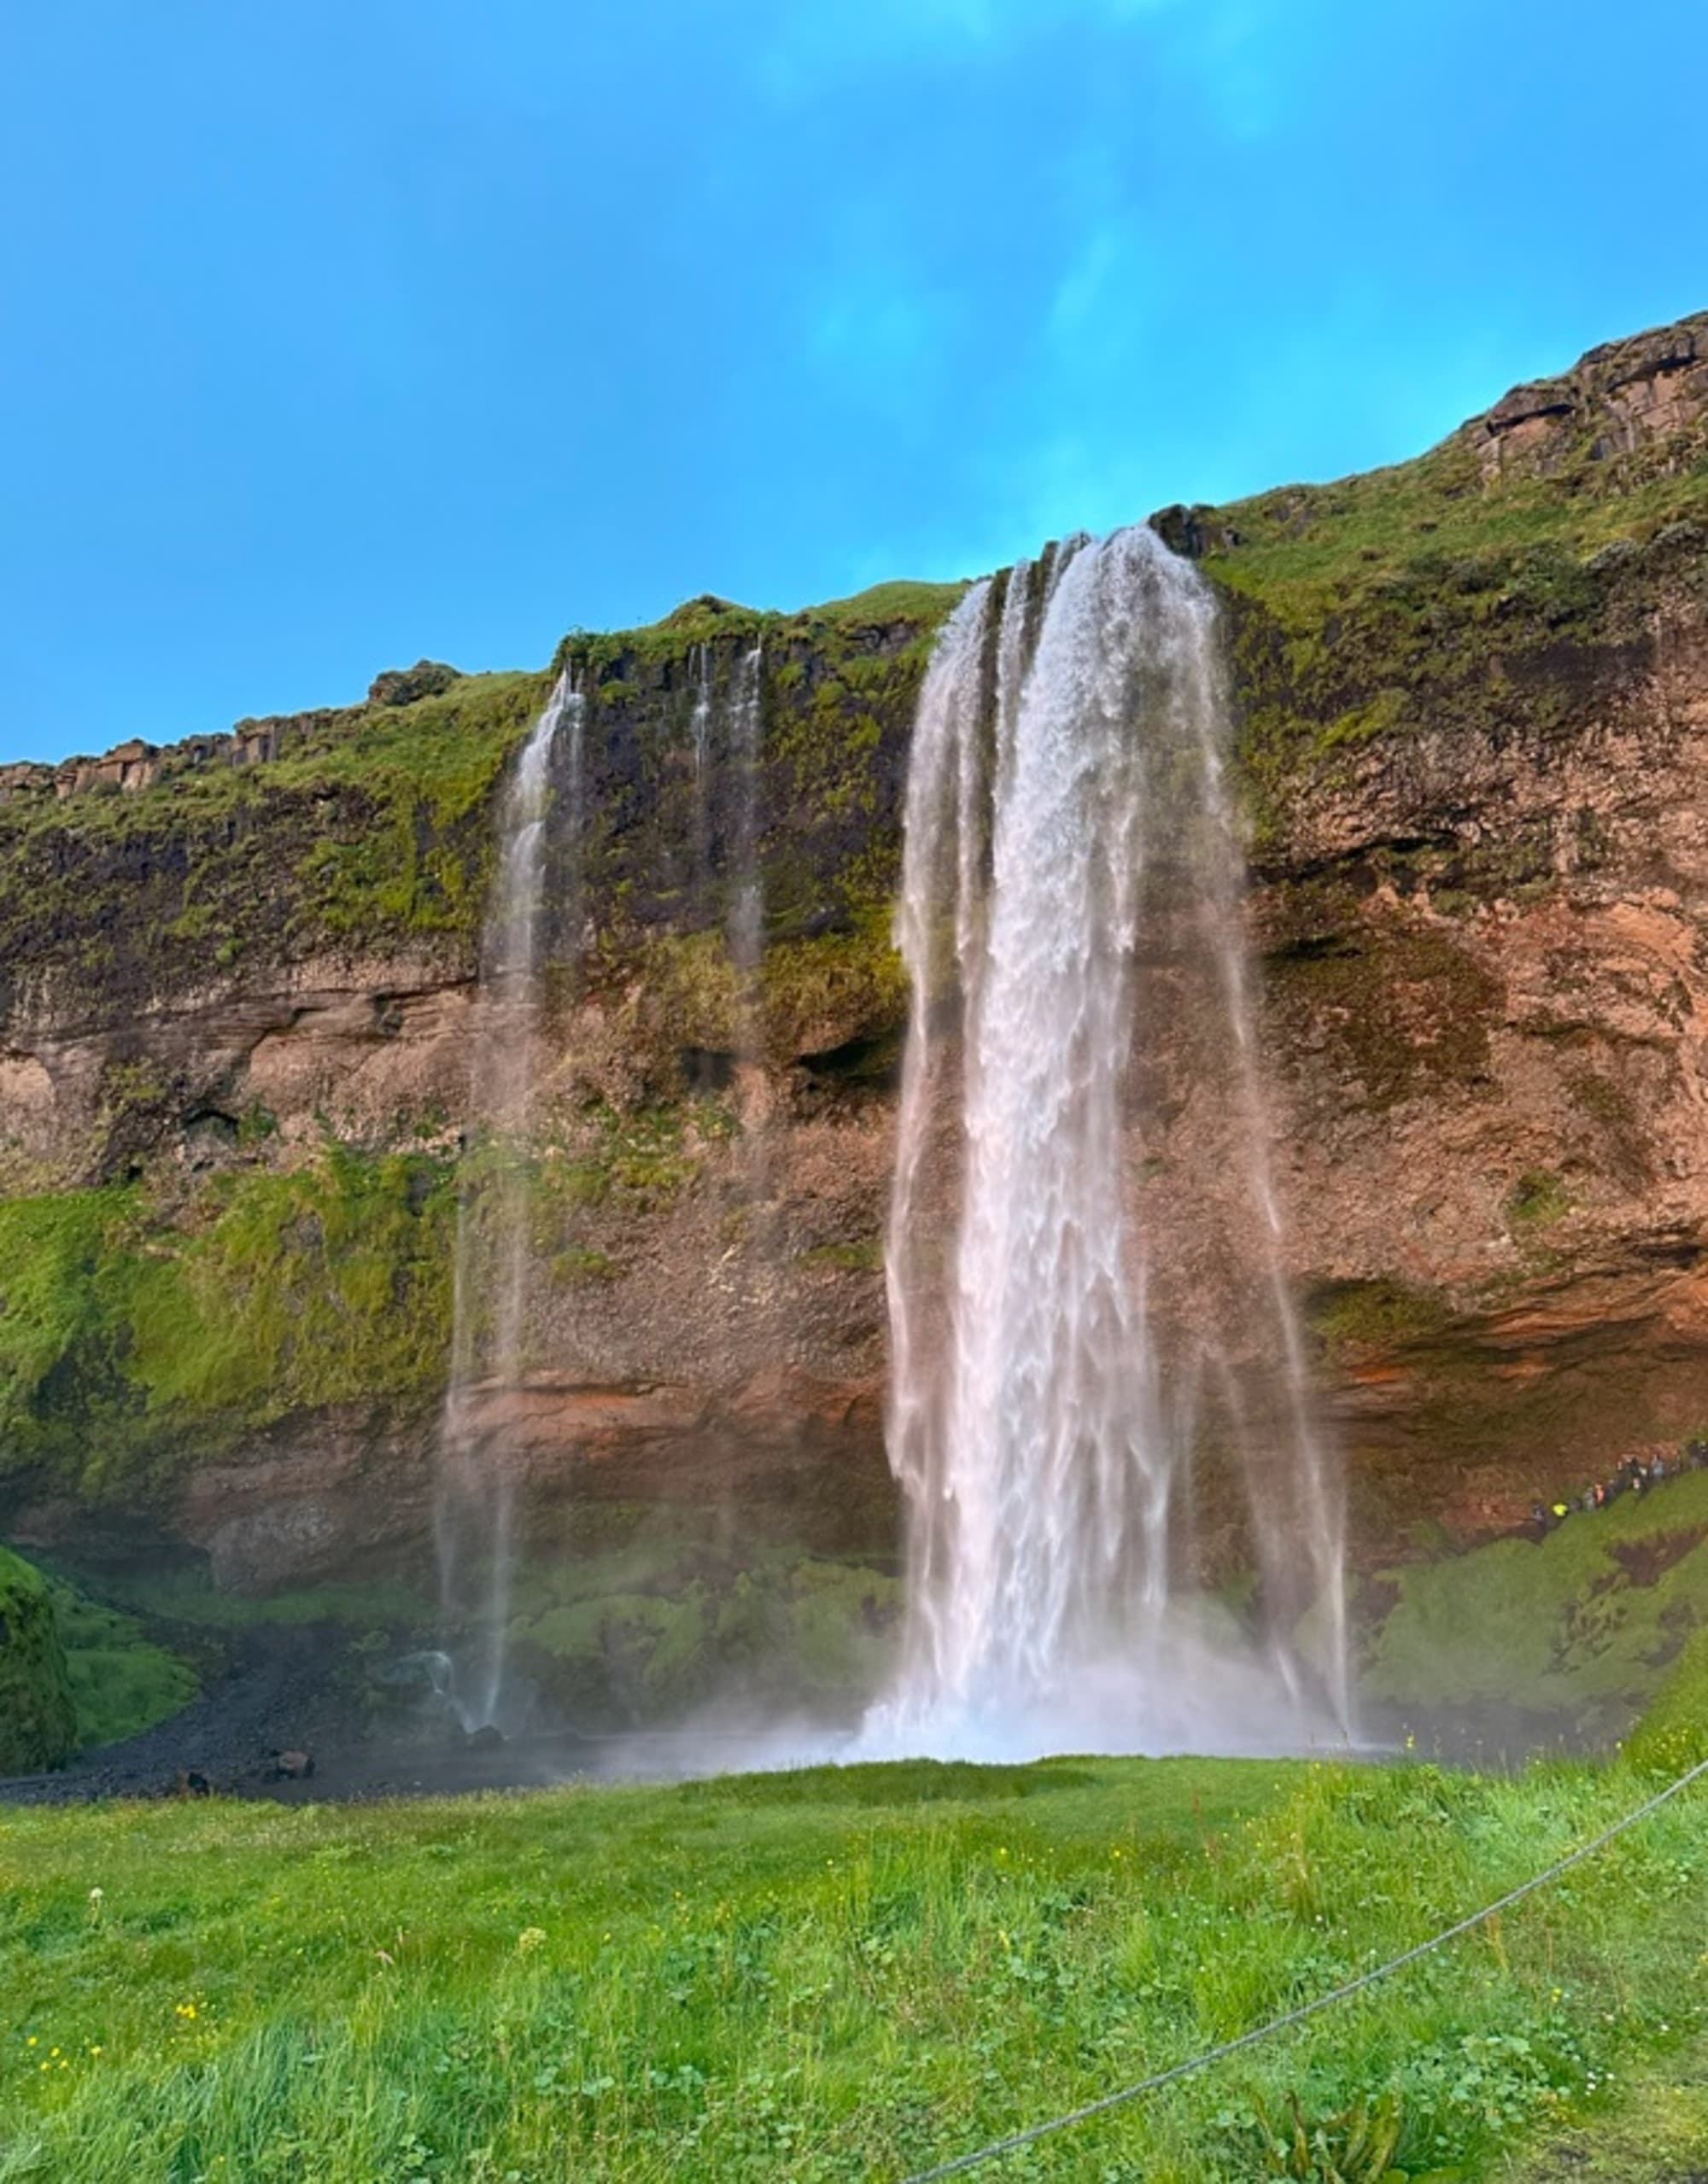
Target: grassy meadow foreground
[{"x": 852, "y": 1973}]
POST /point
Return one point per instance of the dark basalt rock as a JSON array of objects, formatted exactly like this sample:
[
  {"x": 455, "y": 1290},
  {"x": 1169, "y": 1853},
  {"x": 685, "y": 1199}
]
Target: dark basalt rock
[{"x": 1195, "y": 531}]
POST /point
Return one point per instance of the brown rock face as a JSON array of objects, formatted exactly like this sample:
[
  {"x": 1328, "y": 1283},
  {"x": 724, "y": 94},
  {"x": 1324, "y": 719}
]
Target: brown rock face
[
  {"x": 1495, "y": 1093},
  {"x": 1626, "y": 396}
]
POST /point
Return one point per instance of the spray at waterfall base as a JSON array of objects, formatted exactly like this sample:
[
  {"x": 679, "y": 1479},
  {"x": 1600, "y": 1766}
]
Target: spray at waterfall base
[{"x": 1071, "y": 922}]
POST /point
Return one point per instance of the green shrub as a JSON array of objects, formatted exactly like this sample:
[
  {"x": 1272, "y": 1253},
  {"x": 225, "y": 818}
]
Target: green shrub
[{"x": 38, "y": 1718}]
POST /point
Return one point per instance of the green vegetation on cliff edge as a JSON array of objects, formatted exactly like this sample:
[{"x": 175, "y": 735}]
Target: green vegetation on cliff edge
[
  {"x": 1588, "y": 1626},
  {"x": 372, "y": 827},
  {"x": 1427, "y": 593}
]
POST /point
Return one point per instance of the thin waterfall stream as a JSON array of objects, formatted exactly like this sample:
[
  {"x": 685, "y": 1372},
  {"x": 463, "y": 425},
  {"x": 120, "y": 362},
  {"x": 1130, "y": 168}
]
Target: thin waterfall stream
[
  {"x": 745, "y": 923},
  {"x": 741, "y": 718},
  {"x": 727, "y": 731},
  {"x": 1072, "y": 908},
  {"x": 474, "y": 1506}
]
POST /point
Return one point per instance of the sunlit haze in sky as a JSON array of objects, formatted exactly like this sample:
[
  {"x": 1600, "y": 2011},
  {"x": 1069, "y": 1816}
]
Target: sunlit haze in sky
[{"x": 339, "y": 334}]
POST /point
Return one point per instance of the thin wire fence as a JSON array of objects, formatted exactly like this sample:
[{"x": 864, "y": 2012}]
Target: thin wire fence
[{"x": 1016, "y": 2139}]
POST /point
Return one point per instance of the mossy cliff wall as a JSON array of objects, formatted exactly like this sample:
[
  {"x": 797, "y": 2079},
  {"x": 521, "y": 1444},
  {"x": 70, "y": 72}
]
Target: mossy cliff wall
[
  {"x": 238, "y": 996},
  {"x": 239, "y": 1000}
]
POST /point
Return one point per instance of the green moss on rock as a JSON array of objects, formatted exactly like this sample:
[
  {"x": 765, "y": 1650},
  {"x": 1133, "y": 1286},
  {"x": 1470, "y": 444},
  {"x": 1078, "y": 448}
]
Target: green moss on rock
[
  {"x": 1368, "y": 1315},
  {"x": 136, "y": 1330},
  {"x": 37, "y": 1714},
  {"x": 1538, "y": 1200}
]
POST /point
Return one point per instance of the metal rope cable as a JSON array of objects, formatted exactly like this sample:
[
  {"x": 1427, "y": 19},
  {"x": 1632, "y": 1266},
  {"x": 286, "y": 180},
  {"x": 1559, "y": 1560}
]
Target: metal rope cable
[{"x": 1016, "y": 2139}]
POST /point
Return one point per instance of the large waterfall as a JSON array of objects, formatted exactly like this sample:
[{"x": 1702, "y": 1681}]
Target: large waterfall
[
  {"x": 1095, "y": 1361},
  {"x": 476, "y": 1502}
]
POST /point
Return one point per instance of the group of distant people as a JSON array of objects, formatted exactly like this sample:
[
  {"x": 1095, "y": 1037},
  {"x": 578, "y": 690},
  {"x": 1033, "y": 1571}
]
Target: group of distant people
[{"x": 1637, "y": 1475}]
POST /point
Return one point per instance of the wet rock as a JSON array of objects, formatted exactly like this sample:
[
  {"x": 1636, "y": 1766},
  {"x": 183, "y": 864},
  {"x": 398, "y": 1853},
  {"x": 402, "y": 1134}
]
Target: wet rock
[{"x": 1193, "y": 531}]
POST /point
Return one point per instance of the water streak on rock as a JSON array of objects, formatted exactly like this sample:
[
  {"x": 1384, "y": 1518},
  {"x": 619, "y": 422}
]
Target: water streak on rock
[{"x": 475, "y": 1507}]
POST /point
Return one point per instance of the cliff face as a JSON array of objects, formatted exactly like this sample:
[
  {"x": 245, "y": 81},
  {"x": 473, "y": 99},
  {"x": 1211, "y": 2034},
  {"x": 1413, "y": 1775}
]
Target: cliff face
[
  {"x": 238, "y": 999},
  {"x": 1479, "y": 763}
]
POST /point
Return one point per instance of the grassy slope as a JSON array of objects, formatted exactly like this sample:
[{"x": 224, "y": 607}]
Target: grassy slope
[
  {"x": 1583, "y": 1625},
  {"x": 120, "y": 1680},
  {"x": 834, "y": 1975}
]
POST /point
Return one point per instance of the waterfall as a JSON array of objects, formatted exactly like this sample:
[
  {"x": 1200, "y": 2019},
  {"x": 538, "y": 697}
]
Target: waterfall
[
  {"x": 1072, "y": 1321},
  {"x": 726, "y": 732},
  {"x": 746, "y": 914},
  {"x": 699, "y": 733},
  {"x": 494, "y": 1262}
]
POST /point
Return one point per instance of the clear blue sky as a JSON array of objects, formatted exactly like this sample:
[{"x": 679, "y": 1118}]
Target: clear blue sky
[{"x": 342, "y": 331}]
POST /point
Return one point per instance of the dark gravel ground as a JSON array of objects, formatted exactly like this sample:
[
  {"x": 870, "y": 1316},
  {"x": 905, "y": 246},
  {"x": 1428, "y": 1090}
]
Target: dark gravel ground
[
  {"x": 279, "y": 1689},
  {"x": 268, "y": 1695}
]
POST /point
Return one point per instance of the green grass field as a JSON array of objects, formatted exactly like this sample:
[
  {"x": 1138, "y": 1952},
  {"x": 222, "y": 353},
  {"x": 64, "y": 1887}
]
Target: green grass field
[
  {"x": 840, "y": 1974},
  {"x": 848, "y": 1973}
]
